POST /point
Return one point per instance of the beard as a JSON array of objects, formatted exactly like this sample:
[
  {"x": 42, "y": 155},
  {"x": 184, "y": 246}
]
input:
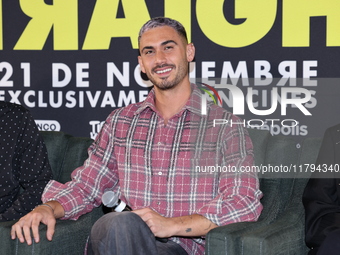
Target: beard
[{"x": 167, "y": 83}]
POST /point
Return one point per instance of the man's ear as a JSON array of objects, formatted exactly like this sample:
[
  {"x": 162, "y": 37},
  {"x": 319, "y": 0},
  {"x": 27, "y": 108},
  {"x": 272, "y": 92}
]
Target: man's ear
[
  {"x": 141, "y": 64},
  {"x": 190, "y": 52}
]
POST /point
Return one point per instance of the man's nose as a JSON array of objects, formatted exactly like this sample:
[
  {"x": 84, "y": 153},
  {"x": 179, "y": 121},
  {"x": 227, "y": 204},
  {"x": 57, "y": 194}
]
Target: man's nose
[{"x": 160, "y": 57}]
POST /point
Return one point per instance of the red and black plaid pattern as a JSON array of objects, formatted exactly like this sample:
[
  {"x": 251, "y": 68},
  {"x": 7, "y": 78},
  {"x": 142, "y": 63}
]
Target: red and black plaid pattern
[{"x": 155, "y": 165}]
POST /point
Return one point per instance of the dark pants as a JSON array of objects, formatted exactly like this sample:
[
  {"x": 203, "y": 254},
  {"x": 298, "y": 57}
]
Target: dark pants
[
  {"x": 331, "y": 244},
  {"x": 126, "y": 233}
]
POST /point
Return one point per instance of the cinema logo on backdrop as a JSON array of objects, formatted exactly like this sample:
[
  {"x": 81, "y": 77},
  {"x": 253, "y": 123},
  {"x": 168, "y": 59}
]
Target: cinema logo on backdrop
[
  {"x": 48, "y": 125},
  {"x": 279, "y": 109},
  {"x": 96, "y": 126}
]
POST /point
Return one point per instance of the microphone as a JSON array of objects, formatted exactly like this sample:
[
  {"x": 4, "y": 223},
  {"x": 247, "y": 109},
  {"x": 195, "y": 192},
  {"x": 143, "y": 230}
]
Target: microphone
[{"x": 111, "y": 200}]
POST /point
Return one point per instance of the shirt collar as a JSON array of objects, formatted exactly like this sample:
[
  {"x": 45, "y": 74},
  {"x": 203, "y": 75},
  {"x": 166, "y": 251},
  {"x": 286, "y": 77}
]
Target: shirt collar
[{"x": 194, "y": 103}]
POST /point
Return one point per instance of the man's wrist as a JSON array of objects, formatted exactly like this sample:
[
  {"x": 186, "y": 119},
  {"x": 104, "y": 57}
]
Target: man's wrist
[
  {"x": 57, "y": 208},
  {"x": 45, "y": 204}
]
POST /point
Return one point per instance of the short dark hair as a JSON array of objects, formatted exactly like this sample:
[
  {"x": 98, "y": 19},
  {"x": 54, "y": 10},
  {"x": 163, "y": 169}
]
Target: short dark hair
[{"x": 160, "y": 22}]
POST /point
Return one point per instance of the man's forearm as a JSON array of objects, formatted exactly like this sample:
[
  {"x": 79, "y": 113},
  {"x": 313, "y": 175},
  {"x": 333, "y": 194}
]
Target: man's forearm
[
  {"x": 192, "y": 225},
  {"x": 189, "y": 225}
]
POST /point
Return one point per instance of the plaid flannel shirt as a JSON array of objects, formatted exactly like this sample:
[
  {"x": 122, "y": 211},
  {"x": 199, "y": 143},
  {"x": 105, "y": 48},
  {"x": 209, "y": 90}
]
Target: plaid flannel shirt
[{"x": 164, "y": 167}]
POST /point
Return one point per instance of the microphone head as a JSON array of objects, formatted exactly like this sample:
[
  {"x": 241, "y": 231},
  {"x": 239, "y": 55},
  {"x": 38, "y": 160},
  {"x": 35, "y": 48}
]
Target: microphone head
[{"x": 110, "y": 199}]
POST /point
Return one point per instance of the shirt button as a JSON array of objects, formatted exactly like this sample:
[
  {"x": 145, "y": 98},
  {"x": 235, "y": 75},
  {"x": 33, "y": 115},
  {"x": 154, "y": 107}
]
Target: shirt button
[
  {"x": 160, "y": 173},
  {"x": 159, "y": 143},
  {"x": 158, "y": 203}
]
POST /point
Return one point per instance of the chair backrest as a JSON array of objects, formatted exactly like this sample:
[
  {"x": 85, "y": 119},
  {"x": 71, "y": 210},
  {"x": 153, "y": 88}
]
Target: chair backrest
[
  {"x": 65, "y": 153},
  {"x": 282, "y": 190}
]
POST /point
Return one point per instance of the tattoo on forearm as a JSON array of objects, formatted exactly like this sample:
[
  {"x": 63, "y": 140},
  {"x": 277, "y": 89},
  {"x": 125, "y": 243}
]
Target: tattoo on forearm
[{"x": 188, "y": 230}]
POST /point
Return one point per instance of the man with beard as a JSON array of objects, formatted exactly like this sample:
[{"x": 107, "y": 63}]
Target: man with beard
[{"x": 147, "y": 153}]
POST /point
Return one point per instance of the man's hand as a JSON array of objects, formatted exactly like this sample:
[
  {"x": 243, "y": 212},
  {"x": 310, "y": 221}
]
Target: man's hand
[
  {"x": 44, "y": 214},
  {"x": 160, "y": 226},
  {"x": 189, "y": 225}
]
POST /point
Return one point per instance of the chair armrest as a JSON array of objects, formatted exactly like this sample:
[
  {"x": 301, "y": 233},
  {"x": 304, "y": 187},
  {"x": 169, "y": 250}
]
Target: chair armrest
[
  {"x": 283, "y": 236},
  {"x": 227, "y": 239}
]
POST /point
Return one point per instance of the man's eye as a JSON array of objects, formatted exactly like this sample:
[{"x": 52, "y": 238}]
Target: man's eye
[{"x": 148, "y": 52}]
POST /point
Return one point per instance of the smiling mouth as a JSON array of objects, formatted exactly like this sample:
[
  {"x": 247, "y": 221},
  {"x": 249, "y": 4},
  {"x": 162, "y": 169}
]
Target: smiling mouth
[{"x": 164, "y": 71}]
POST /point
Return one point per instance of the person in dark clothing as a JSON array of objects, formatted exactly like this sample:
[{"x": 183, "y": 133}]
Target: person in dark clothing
[
  {"x": 24, "y": 166},
  {"x": 321, "y": 198}
]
